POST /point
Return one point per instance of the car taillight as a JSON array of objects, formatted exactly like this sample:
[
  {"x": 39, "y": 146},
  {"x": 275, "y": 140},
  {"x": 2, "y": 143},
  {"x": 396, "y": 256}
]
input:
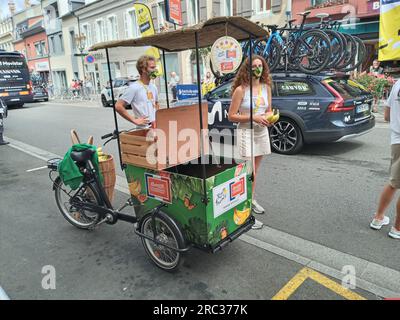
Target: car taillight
[{"x": 338, "y": 104}]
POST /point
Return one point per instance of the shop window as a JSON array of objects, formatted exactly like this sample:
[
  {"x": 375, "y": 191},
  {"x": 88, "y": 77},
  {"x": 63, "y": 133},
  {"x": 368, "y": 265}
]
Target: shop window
[
  {"x": 193, "y": 12},
  {"x": 260, "y": 6}
]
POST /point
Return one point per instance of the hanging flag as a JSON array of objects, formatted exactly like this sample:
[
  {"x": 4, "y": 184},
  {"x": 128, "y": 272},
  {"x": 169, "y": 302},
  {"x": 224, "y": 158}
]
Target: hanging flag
[
  {"x": 146, "y": 27},
  {"x": 389, "y": 30}
]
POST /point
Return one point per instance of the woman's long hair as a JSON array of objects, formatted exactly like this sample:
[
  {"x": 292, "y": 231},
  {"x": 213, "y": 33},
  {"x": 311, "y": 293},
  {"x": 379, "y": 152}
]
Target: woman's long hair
[{"x": 243, "y": 78}]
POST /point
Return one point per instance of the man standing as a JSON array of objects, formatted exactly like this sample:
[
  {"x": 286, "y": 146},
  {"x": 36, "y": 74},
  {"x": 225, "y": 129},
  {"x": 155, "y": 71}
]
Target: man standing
[
  {"x": 173, "y": 82},
  {"x": 141, "y": 95},
  {"x": 376, "y": 69},
  {"x": 392, "y": 114}
]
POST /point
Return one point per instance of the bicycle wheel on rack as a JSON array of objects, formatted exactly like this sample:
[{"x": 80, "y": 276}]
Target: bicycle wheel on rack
[
  {"x": 337, "y": 47},
  {"x": 359, "y": 57},
  {"x": 272, "y": 53},
  {"x": 349, "y": 52},
  {"x": 312, "y": 52}
]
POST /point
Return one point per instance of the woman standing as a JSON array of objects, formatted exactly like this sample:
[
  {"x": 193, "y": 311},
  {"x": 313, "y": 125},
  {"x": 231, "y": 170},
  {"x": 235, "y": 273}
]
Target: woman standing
[{"x": 239, "y": 111}]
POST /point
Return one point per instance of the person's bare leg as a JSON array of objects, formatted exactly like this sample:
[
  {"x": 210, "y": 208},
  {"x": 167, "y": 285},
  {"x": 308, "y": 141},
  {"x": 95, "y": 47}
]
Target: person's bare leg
[
  {"x": 397, "y": 222},
  {"x": 384, "y": 201},
  {"x": 257, "y": 163}
]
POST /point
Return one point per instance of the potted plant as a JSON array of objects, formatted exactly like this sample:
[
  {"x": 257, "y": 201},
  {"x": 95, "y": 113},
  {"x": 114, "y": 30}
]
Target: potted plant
[{"x": 376, "y": 85}]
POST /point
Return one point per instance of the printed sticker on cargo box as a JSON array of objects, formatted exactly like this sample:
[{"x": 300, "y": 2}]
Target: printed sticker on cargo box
[
  {"x": 229, "y": 194},
  {"x": 158, "y": 188}
]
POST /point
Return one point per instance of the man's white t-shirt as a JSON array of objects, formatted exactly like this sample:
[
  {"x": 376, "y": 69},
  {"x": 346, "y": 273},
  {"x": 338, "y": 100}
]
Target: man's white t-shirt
[
  {"x": 394, "y": 104},
  {"x": 137, "y": 96}
]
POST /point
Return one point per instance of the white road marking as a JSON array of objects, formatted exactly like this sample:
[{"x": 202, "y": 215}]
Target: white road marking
[
  {"x": 3, "y": 294},
  {"x": 37, "y": 169},
  {"x": 377, "y": 279}
]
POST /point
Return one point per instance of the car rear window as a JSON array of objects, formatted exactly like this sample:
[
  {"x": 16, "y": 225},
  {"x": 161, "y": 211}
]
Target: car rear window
[
  {"x": 294, "y": 88},
  {"x": 223, "y": 92},
  {"x": 346, "y": 88}
]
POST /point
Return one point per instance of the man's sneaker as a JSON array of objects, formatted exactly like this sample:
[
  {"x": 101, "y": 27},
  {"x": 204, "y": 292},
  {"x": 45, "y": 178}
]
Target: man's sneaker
[
  {"x": 377, "y": 224},
  {"x": 257, "y": 225},
  {"x": 257, "y": 208},
  {"x": 395, "y": 234}
]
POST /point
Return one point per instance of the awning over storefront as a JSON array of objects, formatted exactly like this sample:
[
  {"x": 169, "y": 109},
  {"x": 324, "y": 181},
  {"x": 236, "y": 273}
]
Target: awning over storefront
[{"x": 360, "y": 28}]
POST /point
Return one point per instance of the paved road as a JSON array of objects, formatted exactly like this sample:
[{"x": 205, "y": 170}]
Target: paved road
[{"x": 318, "y": 208}]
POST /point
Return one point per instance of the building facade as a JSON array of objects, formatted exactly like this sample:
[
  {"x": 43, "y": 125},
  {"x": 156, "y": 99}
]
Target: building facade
[
  {"x": 6, "y": 34},
  {"x": 56, "y": 34},
  {"x": 31, "y": 40}
]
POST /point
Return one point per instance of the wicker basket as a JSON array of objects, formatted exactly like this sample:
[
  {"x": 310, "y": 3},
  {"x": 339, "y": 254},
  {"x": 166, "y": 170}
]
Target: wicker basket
[{"x": 107, "y": 168}]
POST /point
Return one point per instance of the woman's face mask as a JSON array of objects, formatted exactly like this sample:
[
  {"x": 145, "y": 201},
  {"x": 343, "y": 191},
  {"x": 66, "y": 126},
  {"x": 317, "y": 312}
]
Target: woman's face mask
[{"x": 257, "y": 72}]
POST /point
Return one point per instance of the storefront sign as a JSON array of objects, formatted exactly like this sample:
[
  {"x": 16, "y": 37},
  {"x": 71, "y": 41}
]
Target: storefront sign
[
  {"x": 158, "y": 188},
  {"x": 373, "y": 6},
  {"x": 226, "y": 55},
  {"x": 229, "y": 195},
  {"x": 174, "y": 11},
  {"x": 91, "y": 68},
  {"x": 186, "y": 91},
  {"x": 42, "y": 66}
]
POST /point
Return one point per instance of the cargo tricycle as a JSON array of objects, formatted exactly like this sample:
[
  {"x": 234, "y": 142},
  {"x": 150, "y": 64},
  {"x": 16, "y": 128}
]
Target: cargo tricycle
[{"x": 183, "y": 195}]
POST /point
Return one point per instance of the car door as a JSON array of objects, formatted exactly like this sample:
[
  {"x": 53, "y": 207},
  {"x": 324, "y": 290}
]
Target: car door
[
  {"x": 116, "y": 88},
  {"x": 122, "y": 87}
]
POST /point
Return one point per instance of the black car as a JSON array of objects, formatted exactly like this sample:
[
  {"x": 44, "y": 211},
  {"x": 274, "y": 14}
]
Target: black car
[
  {"x": 313, "y": 108},
  {"x": 40, "y": 93}
]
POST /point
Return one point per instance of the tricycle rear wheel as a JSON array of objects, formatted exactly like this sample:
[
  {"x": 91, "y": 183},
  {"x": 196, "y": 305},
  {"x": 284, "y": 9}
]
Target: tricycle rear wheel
[{"x": 168, "y": 232}]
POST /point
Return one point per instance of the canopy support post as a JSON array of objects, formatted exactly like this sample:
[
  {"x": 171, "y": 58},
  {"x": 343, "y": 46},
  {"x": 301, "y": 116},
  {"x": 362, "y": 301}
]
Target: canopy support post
[
  {"x": 203, "y": 165},
  {"x": 251, "y": 108},
  {"x": 165, "y": 77},
  {"x": 115, "y": 113}
]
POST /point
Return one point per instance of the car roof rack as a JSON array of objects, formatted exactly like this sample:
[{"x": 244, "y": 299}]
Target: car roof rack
[{"x": 306, "y": 75}]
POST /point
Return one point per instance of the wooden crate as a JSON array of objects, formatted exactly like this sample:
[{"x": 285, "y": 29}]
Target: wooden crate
[{"x": 144, "y": 149}]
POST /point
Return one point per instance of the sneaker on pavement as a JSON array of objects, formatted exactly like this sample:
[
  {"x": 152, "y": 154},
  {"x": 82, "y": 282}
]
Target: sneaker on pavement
[
  {"x": 395, "y": 234},
  {"x": 257, "y": 225},
  {"x": 377, "y": 224},
  {"x": 257, "y": 208}
]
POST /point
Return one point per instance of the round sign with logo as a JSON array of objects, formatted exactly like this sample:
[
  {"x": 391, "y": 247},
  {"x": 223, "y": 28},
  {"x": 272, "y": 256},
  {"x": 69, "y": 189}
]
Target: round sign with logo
[
  {"x": 226, "y": 55},
  {"x": 89, "y": 59}
]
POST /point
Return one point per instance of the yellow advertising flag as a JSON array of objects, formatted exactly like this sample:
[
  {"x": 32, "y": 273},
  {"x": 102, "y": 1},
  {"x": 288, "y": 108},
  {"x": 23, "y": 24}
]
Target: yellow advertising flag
[
  {"x": 389, "y": 30},
  {"x": 146, "y": 27}
]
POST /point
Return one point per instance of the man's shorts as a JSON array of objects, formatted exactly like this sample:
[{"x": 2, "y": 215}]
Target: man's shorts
[{"x": 395, "y": 166}]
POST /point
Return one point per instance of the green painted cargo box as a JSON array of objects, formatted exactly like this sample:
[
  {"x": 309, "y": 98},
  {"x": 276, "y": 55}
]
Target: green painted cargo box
[{"x": 209, "y": 225}]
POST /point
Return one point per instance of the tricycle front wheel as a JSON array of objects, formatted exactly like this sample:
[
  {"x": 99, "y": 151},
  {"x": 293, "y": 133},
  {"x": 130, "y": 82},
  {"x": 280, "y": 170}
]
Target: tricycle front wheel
[{"x": 167, "y": 232}]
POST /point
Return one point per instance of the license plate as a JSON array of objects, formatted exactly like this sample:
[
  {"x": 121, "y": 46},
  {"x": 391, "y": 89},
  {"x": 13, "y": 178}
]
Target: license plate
[{"x": 362, "y": 108}]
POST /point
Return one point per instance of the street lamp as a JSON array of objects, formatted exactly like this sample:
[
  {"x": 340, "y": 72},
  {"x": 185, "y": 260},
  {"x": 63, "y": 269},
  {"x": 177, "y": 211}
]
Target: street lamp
[{"x": 80, "y": 41}]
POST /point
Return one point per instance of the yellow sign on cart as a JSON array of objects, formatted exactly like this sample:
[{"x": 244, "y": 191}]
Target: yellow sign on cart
[{"x": 389, "y": 30}]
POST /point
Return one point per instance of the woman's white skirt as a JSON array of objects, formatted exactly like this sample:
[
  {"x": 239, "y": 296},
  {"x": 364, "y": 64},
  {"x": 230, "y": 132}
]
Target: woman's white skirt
[{"x": 261, "y": 144}]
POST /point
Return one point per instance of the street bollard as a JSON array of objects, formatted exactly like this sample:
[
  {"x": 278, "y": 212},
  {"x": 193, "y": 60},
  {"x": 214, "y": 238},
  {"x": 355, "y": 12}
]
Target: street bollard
[{"x": 3, "y": 114}]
